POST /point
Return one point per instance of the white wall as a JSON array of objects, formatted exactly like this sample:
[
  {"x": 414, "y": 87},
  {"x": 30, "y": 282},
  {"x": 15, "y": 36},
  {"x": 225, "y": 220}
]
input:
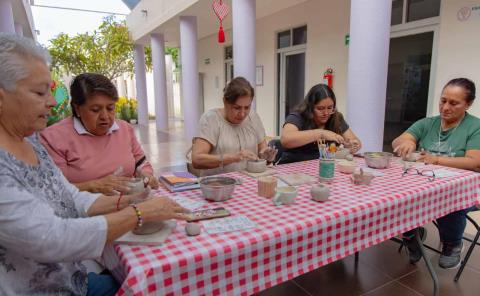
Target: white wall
[
  {"x": 458, "y": 52},
  {"x": 209, "y": 48},
  {"x": 458, "y": 48},
  {"x": 327, "y": 25}
]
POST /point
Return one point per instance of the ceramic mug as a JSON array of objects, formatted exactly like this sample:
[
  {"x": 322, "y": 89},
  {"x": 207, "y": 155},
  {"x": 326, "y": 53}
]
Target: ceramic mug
[
  {"x": 320, "y": 192},
  {"x": 285, "y": 195}
]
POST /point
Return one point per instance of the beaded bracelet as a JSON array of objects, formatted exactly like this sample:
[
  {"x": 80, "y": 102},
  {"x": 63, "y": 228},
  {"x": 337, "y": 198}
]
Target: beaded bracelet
[{"x": 139, "y": 215}]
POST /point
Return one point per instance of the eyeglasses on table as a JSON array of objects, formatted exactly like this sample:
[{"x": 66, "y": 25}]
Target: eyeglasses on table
[{"x": 414, "y": 171}]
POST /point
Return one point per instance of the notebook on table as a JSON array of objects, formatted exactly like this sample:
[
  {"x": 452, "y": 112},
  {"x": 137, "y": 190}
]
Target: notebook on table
[{"x": 179, "y": 181}]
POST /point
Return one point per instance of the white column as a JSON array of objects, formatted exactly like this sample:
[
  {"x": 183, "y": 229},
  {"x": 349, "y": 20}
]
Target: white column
[
  {"x": 131, "y": 87},
  {"x": 190, "y": 90},
  {"x": 141, "y": 83},
  {"x": 244, "y": 38},
  {"x": 121, "y": 86},
  {"x": 367, "y": 70},
  {"x": 18, "y": 29},
  {"x": 6, "y": 17},
  {"x": 159, "y": 80},
  {"x": 169, "y": 73}
]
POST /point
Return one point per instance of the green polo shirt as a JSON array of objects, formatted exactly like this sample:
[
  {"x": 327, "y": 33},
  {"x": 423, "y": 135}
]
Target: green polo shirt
[{"x": 452, "y": 142}]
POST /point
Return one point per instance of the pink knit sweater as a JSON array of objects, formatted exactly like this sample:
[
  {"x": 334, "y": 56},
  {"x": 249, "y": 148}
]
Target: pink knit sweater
[{"x": 85, "y": 157}]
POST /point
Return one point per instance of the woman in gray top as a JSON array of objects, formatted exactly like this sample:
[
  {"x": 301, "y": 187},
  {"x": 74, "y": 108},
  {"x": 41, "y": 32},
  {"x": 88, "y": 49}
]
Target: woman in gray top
[
  {"x": 229, "y": 136},
  {"x": 47, "y": 227}
]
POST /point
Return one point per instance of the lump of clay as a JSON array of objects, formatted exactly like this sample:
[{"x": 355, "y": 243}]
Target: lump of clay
[{"x": 192, "y": 229}]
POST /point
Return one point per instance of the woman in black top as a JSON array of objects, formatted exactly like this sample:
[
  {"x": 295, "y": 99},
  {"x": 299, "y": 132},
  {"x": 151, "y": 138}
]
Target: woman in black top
[{"x": 314, "y": 119}]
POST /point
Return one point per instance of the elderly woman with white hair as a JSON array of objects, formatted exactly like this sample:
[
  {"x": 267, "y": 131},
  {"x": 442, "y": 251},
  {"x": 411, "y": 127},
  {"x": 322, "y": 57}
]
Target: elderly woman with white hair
[{"x": 47, "y": 226}]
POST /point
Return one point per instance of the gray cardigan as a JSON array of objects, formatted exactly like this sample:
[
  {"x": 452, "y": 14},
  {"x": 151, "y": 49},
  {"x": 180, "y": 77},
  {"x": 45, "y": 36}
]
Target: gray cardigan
[{"x": 44, "y": 228}]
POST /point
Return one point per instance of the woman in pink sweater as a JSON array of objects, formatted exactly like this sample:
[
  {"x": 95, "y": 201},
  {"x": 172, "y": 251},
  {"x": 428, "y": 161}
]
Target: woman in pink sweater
[{"x": 95, "y": 151}]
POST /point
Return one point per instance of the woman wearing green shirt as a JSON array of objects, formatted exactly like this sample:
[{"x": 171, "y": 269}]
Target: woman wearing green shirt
[{"x": 451, "y": 139}]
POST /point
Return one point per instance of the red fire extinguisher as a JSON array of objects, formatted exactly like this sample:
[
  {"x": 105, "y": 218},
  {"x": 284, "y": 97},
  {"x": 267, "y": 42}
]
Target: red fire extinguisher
[{"x": 328, "y": 77}]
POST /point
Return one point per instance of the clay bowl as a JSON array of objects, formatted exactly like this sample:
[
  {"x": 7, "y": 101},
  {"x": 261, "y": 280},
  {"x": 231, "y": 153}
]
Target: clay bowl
[
  {"x": 378, "y": 160},
  {"x": 346, "y": 167},
  {"x": 257, "y": 166},
  {"x": 412, "y": 157},
  {"x": 342, "y": 153},
  {"x": 149, "y": 228}
]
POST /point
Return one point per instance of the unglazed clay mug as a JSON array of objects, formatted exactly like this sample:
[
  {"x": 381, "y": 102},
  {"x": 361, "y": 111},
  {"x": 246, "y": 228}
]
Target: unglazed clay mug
[
  {"x": 285, "y": 195},
  {"x": 320, "y": 192},
  {"x": 267, "y": 186}
]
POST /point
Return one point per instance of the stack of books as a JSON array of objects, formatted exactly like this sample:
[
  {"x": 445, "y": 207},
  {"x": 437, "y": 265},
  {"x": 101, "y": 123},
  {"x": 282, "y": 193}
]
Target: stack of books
[{"x": 179, "y": 181}]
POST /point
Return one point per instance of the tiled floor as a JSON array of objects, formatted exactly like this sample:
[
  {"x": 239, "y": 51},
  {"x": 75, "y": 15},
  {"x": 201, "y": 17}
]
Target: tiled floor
[{"x": 381, "y": 270}]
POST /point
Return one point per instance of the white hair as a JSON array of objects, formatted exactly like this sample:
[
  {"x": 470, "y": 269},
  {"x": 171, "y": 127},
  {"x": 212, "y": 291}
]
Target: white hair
[{"x": 14, "y": 51}]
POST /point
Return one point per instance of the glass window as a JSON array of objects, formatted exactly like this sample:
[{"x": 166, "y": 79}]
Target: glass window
[
  {"x": 300, "y": 35},
  {"x": 397, "y": 11},
  {"x": 229, "y": 52},
  {"x": 283, "y": 39},
  {"x": 422, "y": 9}
]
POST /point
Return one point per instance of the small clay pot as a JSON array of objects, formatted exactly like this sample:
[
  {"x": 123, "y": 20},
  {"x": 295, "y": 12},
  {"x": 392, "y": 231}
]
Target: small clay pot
[
  {"x": 320, "y": 192},
  {"x": 257, "y": 166},
  {"x": 193, "y": 229},
  {"x": 362, "y": 178}
]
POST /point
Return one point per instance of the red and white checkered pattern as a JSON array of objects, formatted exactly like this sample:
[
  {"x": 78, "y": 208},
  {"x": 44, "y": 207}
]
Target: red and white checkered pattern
[{"x": 294, "y": 239}]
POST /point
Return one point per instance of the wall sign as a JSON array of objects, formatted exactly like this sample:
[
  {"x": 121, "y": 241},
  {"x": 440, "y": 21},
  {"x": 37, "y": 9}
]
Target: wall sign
[{"x": 464, "y": 13}]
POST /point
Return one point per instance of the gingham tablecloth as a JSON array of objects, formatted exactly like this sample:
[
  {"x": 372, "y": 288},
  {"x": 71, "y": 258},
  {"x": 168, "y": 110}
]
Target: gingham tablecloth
[{"x": 294, "y": 239}]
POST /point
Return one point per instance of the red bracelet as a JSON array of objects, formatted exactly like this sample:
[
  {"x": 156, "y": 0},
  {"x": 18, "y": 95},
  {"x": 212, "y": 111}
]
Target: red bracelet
[{"x": 118, "y": 201}]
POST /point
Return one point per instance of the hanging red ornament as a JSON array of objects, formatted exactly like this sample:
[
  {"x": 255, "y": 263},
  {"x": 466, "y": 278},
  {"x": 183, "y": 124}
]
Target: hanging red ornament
[
  {"x": 221, "y": 35},
  {"x": 221, "y": 11}
]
